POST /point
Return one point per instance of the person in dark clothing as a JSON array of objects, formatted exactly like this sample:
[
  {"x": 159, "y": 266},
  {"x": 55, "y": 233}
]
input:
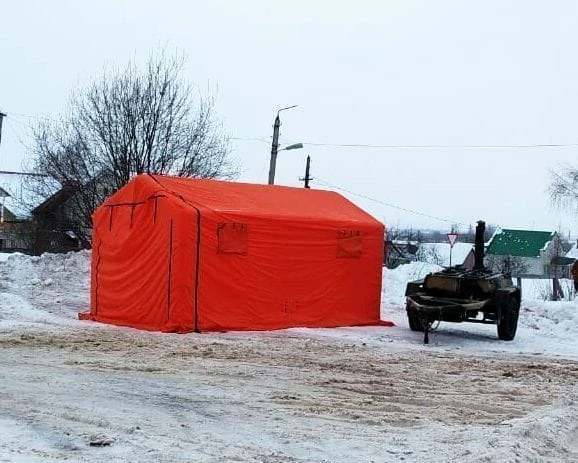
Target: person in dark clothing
[{"x": 575, "y": 274}]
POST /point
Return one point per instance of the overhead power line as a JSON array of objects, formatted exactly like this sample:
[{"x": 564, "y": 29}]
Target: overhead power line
[
  {"x": 31, "y": 116},
  {"x": 15, "y": 133},
  {"x": 378, "y": 146},
  {"x": 372, "y": 145},
  {"x": 262, "y": 140},
  {"x": 23, "y": 124},
  {"x": 394, "y": 206},
  {"x": 545, "y": 145},
  {"x": 425, "y": 146}
]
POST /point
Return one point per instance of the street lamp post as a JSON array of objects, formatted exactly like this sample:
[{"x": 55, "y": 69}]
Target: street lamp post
[
  {"x": 275, "y": 146},
  {"x": 2, "y": 116}
]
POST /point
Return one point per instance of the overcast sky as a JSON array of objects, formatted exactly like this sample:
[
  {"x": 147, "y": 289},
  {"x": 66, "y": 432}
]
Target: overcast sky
[{"x": 363, "y": 73}]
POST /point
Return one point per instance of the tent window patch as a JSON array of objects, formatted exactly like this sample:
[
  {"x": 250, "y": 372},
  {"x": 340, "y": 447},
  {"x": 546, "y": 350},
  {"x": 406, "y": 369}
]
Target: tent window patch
[
  {"x": 233, "y": 238},
  {"x": 349, "y": 244}
]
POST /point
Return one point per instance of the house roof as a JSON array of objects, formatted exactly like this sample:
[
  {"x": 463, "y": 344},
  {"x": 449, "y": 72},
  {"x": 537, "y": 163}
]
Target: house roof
[
  {"x": 404, "y": 242},
  {"x": 58, "y": 198},
  {"x": 15, "y": 196},
  {"x": 519, "y": 243},
  {"x": 459, "y": 252},
  {"x": 11, "y": 193}
]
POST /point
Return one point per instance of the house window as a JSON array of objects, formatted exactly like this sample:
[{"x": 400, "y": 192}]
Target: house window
[
  {"x": 232, "y": 238},
  {"x": 349, "y": 244}
]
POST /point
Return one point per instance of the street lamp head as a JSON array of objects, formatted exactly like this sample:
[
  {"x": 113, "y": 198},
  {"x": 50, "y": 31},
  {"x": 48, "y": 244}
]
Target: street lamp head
[
  {"x": 288, "y": 107},
  {"x": 295, "y": 146}
]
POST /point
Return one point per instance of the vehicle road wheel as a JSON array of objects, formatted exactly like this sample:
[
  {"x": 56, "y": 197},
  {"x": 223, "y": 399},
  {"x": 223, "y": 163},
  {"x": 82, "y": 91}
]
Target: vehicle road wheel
[
  {"x": 415, "y": 322},
  {"x": 508, "y": 319}
]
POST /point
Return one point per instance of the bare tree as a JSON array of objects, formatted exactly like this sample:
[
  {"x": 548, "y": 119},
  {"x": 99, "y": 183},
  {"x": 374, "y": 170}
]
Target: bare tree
[
  {"x": 129, "y": 122},
  {"x": 490, "y": 230},
  {"x": 428, "y": 252},
  {"x": 510, "y": 266},
  {"x": 563, "y": 188}
]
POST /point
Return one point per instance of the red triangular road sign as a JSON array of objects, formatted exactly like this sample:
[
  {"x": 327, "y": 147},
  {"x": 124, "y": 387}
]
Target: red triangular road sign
[{"x": 452, "y": 238}]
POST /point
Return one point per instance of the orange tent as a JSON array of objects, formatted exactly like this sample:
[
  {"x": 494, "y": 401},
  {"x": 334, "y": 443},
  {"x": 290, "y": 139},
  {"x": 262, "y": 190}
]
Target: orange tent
[{"x": 176, "y": 254}]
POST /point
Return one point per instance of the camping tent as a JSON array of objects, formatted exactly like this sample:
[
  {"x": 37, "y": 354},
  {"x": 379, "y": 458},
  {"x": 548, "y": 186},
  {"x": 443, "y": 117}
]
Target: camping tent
[{"x": 176, "y": 254}]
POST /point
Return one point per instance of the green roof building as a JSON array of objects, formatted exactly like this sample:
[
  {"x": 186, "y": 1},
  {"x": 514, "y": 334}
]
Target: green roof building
[
  {"x": 527, "y": 253},
  {"x": 520, "y": 243}
]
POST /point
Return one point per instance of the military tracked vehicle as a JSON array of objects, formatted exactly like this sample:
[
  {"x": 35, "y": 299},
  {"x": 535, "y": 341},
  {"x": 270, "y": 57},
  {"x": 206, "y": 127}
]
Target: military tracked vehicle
[{"x": 456, "y": 294}]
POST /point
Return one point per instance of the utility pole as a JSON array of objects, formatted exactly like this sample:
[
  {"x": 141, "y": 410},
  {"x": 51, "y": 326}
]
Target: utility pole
[
  {"x": 2, "y": 116},
  {"x": 307, "y": 178},
  {"x": 275, "y": 145}
]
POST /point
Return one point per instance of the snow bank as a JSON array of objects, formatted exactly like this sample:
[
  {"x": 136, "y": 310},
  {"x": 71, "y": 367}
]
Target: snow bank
[
  {"x": 44, "y": 290},
  {"x": 541, "y": 289},
  {"x": 48, "y": 269},
  {"x": 395, "y": 281},
  {"x": 551, "y": 318},
  {"x": 16, "y": 311},
  {"x": 51, "y": 289}
]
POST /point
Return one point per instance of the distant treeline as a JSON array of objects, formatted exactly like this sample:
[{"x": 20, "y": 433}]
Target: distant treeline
[{"x": 437, "y": 236}]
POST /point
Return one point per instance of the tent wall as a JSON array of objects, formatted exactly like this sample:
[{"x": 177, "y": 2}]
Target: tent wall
[
  {"x": 292, "y": 274},
  {"x": 144, "y": 263}
]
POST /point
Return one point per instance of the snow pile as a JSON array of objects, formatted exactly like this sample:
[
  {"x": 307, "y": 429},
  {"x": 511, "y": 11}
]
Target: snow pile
[
  {"x": 551, "y": 318},
  {"x": 24, "y": 271},
  {"x": 16, "y": 311},
  {"x": 541, "y": 289},
  {"x": 49, "y": 289},
  {"x": 395, "y": 281}
]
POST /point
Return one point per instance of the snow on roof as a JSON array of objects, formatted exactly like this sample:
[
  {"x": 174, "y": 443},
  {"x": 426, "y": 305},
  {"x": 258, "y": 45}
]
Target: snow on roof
[
  {"x": 11, "y": 185},
  {"x": 573, "y": 253},
  {"x": 459, "y": 252},
  {"x": 16, "y": 198}
]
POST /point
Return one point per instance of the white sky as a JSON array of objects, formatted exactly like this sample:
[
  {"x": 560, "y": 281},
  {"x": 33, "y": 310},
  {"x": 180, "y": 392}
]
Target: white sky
[{"x": 364, "y": 72}]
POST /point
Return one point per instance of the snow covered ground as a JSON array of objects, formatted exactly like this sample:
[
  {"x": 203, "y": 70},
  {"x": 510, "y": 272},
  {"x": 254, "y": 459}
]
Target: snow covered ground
[{"x": 82, "y": 391}]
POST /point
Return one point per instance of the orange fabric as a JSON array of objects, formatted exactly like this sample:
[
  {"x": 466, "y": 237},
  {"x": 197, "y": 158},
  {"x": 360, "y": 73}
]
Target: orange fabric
[{"x": 174, "y": 254}]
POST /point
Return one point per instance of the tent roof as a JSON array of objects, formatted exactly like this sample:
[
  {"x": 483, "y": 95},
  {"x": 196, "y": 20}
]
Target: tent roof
[{"x": 264, "y": 200}]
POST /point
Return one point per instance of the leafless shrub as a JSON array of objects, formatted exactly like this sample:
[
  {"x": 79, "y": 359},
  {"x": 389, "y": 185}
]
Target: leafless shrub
[
  {"x": 508, "y": 265},
  {"x": 428, "y": 253}
]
